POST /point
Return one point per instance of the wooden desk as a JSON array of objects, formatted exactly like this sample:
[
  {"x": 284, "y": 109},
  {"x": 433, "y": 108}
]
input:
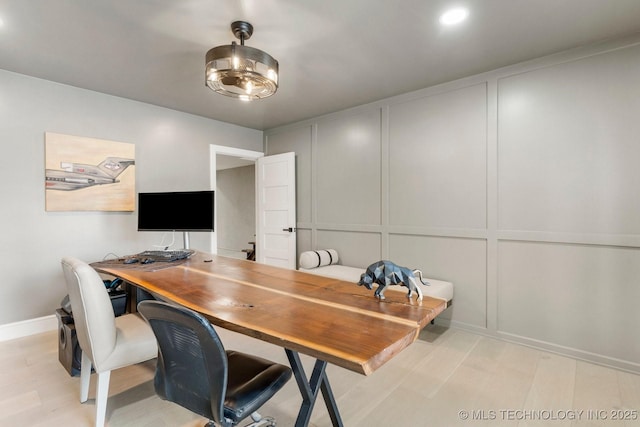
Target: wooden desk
[{"x": 333, "y": 321}]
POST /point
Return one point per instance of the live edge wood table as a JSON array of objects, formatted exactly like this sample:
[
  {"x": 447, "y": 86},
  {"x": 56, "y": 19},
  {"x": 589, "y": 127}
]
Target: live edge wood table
[{"x": 333, "y": 321}]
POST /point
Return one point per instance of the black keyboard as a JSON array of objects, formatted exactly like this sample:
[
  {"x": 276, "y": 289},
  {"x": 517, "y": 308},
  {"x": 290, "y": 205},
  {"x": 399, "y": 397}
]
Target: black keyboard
[{"x": 166, "y": 255}]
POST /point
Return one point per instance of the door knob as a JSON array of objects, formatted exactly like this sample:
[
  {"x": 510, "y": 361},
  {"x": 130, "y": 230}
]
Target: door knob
[{"x": 290, "y": 229}]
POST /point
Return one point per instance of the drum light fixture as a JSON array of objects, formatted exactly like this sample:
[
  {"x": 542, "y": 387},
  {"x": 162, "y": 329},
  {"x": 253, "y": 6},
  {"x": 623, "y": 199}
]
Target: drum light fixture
[{"x": 241, "y": 71}]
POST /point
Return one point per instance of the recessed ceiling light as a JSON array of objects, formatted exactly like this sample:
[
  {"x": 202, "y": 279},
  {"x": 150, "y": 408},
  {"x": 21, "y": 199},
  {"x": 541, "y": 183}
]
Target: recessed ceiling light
[{"x": 454, "y": 16}]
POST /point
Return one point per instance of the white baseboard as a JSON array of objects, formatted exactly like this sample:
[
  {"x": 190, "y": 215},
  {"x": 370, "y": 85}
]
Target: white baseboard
[
  {"x": 610, "y": 362},
  {"x": 25, "y": 328}
]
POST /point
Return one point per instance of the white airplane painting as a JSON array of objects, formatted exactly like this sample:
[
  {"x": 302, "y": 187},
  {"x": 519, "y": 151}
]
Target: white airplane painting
[{"x": 76, "y": 176}]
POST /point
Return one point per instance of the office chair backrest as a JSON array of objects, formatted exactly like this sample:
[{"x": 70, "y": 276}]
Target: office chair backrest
[
  {"x": 92, "y": 310},
  {"x": 192, "y": 363}
]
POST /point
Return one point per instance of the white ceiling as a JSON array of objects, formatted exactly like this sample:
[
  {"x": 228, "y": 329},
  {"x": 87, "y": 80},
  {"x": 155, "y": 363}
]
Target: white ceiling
[{"x": 333, "y": 54}]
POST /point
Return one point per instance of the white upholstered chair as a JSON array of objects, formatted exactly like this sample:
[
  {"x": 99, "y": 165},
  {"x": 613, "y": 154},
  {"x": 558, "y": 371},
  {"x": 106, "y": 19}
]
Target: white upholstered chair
[{"x": 107, "y": 342}]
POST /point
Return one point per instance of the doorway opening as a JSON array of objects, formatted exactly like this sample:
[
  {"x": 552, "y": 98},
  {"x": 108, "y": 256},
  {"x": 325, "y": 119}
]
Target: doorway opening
[
  {"x": 233, "y": 178},
  {"x": 236, "y": 206}
]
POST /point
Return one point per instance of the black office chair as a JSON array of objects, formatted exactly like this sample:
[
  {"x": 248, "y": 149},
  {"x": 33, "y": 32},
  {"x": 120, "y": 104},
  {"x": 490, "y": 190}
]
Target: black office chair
[{"x": 196, "y": 372}]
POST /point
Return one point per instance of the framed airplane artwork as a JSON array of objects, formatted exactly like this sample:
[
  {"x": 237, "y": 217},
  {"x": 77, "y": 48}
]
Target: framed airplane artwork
[{"x": 88, "y": 174}]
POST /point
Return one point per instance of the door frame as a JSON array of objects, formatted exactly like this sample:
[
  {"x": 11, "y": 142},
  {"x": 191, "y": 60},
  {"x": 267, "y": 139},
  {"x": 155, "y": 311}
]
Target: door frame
[{"x": 214, "y": 150}]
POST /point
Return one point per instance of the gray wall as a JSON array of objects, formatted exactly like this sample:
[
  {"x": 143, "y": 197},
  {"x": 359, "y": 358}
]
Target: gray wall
[
  {"x": 172, "y": 153},
  {"x": 236, "y": 210},
  {"x": 520, "y": 186}
]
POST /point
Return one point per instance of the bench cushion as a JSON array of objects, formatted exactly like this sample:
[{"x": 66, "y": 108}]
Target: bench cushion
[{"x": 313, "y": 259}]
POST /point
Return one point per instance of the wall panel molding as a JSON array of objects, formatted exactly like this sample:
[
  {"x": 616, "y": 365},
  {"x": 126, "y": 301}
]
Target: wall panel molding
[{"x": 545, "y": 205}]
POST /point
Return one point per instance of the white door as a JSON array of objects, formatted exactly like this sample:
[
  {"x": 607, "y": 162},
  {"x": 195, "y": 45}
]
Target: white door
[{"x": 276, "y": 210}]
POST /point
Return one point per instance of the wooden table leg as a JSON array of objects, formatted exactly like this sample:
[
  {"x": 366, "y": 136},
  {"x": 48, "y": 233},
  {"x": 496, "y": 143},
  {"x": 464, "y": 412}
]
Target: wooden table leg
[{"x": 309, "y": 389}]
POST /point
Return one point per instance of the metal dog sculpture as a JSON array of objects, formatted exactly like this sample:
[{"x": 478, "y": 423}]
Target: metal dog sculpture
[{"x": 385, "y": 273}]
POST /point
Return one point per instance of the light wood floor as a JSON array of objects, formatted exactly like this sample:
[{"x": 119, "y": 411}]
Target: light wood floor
[{"x": 445, "y": 372}]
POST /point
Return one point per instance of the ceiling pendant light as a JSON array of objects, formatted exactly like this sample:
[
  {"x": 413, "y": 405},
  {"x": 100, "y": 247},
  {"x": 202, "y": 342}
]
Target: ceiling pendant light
[{"x": 241, "y": 71}]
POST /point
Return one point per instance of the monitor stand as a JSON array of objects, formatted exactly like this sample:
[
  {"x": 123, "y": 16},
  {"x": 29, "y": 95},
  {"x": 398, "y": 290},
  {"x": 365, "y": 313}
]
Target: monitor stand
[{"x": 185, "y": 237}]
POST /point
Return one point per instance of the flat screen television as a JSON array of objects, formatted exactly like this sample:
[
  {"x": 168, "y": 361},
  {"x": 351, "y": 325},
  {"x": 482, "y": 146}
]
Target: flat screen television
[{"x": 176, "y": 211}]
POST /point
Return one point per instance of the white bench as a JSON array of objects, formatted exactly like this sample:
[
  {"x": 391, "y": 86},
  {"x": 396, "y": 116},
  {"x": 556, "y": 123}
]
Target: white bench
[{"x": 324, "y": 263}]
